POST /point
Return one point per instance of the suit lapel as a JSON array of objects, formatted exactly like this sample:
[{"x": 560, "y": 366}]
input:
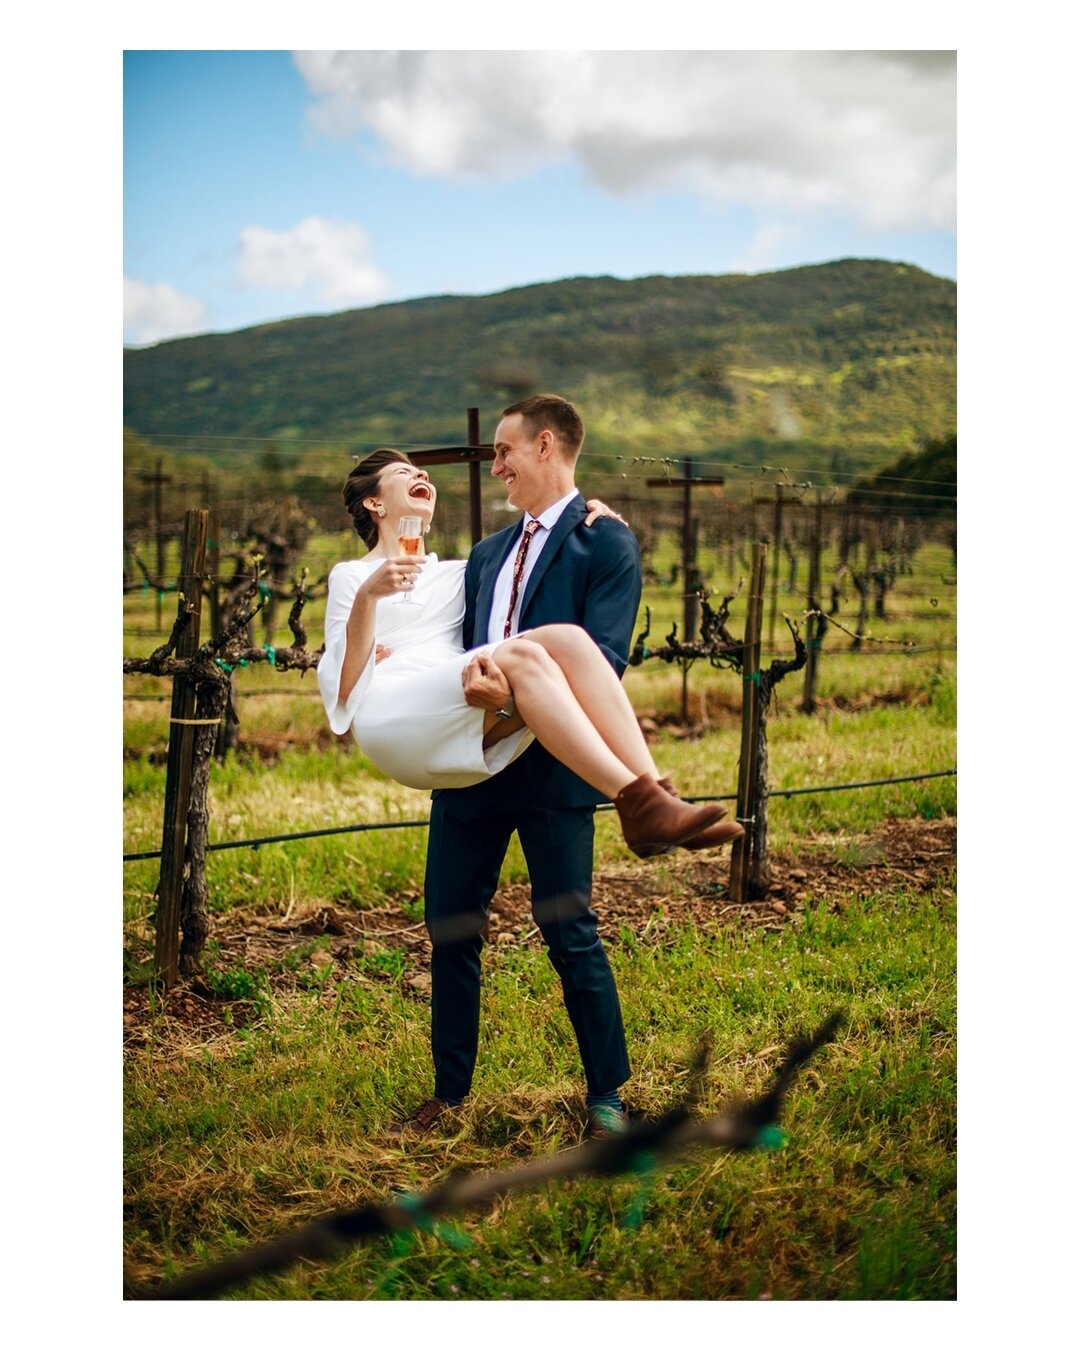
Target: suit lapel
[
  {"x": 574, "y": 512},
  {"x": 485, "y": 586}
]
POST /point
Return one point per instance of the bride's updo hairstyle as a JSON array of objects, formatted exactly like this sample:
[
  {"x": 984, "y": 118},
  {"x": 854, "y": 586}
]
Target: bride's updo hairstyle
[{"x": 363, "y": 481}]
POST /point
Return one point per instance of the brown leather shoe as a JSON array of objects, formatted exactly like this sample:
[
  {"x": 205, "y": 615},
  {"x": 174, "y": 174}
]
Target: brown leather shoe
[
  {"x": 713, "y": 837},
  {"x": 422, "y": 1120},
  {"x": 654, "y": 822}
]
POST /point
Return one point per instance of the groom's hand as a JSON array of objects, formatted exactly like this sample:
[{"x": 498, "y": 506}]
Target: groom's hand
[{"x": 484, "y": 684}]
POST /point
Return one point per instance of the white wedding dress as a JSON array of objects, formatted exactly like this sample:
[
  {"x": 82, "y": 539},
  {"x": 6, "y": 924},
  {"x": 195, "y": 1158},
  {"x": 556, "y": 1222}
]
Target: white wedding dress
[{"x": 408, "y": 713}]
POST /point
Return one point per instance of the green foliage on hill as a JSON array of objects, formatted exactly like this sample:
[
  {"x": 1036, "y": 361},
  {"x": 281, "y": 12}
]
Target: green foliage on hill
[
  {"x": 924, "y": 481},
  {"x": 843, "y": 365}
]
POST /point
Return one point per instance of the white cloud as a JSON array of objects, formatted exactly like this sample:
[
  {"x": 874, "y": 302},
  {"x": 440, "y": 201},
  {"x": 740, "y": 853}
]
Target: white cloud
[
  {"x": 868, "y": 134},
  {"x": 331, "y": 257},
  {"x": 771, "y": 246},
  {"x": 154, "y": 311}
]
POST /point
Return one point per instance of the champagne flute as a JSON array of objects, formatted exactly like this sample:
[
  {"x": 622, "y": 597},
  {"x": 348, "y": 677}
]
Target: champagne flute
[{"x": 410, "y": 537}]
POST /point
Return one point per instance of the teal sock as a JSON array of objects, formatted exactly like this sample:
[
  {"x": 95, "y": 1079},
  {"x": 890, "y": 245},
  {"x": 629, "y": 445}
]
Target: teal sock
[{"x": 612, "y": 1099}]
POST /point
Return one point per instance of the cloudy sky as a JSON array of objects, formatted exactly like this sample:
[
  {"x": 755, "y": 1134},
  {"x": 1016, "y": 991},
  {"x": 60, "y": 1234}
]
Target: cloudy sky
[{"x": 261, "y": 185}]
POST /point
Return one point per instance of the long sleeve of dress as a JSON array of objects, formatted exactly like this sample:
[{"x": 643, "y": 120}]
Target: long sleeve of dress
[{"x": 344, "y": 582}]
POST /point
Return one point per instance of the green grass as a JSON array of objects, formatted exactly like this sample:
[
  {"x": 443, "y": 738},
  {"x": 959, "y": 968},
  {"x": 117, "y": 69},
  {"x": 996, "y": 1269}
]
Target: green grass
[
  {"x": 313, "y": 789},
  {"x": 282, "y": 1123}
]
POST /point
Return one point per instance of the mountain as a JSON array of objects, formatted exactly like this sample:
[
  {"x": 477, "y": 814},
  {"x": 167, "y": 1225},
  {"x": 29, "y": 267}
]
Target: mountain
[{"x": 849, "y": 364}]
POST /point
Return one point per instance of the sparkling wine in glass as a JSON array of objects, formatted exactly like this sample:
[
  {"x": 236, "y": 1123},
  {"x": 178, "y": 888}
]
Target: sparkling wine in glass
[{"x": 410, "y": 537}]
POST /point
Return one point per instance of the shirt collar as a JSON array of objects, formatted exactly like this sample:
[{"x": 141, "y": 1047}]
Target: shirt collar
[{"x": 548, "y": 518}]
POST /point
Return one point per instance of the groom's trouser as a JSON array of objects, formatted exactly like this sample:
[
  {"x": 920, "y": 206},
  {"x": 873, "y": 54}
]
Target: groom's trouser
[{"x": 463, "y": 862}]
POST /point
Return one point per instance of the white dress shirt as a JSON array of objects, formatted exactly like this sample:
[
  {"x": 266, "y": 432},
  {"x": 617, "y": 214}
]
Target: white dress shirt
[{"x": 504, "y": 582}]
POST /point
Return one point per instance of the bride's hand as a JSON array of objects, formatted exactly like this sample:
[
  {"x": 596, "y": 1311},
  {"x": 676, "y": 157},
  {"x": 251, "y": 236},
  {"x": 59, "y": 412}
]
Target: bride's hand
[
  {"x": 597, "y": 508},
  {"x": 395, "y": 576}
]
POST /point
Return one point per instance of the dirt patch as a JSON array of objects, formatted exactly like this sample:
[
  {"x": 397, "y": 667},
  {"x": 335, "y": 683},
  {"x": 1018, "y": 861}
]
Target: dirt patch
[
  {"x": 321, "y": 946},
  {"x": 708, "y": 712},
  {"x": 880, "y": 698},
  {"x": 267, "y": 749}
]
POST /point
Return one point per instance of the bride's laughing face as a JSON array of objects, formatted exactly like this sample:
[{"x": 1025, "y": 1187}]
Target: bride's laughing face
[{"x": 406, "y": 491}]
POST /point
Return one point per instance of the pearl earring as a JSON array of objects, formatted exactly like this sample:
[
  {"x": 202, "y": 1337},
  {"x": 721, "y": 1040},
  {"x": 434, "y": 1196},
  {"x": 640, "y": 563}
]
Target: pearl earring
[{"x": 382, "y": 512}]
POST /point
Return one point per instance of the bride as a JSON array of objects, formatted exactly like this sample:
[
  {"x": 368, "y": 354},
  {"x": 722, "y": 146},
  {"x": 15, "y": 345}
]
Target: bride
[{"x": 394, "y": 673}]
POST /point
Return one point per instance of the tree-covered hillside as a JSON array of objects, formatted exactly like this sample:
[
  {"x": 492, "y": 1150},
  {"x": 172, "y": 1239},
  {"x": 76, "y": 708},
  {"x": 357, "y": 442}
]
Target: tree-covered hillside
[
  {"x": 922, "y": 484},
  {"x": 845, "y": 365}
]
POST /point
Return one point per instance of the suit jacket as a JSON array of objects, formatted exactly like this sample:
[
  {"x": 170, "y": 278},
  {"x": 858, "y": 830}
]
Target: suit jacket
[{"x": 588, "y": 575}]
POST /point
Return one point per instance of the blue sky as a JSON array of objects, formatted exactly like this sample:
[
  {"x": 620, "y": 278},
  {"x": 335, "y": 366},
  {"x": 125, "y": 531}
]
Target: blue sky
[{"x": 262, "y": 185}]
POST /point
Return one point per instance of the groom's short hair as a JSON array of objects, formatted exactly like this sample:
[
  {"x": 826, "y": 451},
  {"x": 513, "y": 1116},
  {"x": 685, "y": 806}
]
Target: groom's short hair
[{"x": 549, "y": 412}]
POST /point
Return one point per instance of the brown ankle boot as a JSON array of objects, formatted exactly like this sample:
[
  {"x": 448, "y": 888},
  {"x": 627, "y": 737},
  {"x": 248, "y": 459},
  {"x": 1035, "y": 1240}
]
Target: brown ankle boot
[
  {"x": 713, "y": 837},
  {"x": 653, "y": 821},
  {"x": 672, "y": 791}
]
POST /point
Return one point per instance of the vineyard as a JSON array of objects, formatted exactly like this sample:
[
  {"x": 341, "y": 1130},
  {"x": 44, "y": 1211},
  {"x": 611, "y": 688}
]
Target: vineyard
[{"x": 259, "y": 1083}]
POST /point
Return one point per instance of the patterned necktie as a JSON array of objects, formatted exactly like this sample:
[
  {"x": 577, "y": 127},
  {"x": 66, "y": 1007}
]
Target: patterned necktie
[{"x": 519, "y": 567}]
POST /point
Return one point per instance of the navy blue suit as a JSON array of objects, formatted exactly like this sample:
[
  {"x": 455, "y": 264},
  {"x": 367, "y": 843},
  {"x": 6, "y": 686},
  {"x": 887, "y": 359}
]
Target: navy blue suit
[{"x": 585, "y": 575}]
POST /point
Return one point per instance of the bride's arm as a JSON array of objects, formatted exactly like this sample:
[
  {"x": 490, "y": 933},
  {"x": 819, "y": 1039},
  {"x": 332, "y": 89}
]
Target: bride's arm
[
  {"x": 395, "y": 576},
  {"x": 359, "y": 639},
  {"x": 345, "y": 667}
]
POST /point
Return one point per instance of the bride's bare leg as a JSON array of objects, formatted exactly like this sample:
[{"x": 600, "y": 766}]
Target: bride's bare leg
[
  {"x": 597, "y": 689},
  {"x": 498, "y": 728},
  {"x": 550, "y": 709},
  {"x": 652, "y": 821}
]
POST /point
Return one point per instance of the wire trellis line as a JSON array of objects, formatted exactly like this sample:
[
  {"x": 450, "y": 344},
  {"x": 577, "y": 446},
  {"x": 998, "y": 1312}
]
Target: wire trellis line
[
  {"x": 286, "y": 838},
  {"x": 844, "y": 787},
  {"x": 606, "y": 806},
  {"x": 345, "y": 447},
  {"x": 314, "y": 693},
  {"x": 240, "y": 693}
]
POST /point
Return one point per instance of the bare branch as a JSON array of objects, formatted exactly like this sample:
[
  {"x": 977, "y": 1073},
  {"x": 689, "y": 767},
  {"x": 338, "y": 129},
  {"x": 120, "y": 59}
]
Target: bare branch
[
  {"x": 149, "y": 581},
  {"x": 862, "y": 637},
  {"x": 155, "y": 663},
  {"x": 232, "y": 647},
  {"x": 778, "y": 669},
  {"x": 747, "y": 1126},
  {"x": 717, "y": 644}
]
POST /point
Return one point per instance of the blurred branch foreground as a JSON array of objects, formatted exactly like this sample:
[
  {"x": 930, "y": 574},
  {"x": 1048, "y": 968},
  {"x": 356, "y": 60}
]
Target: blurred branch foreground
[{"x": 637, "y": 1152}]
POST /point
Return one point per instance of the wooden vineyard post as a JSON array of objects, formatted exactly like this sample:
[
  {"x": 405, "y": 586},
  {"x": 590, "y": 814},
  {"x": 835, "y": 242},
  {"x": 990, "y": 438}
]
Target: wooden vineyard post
[
  {"x": 751, "y": 711},
  {"x": 691, "y": 575},
  {"x": 213, "y": 559},
  {"x": 778, "y": 526},
  {"x": 476, "y": 527},
  {"x": 815, "y": 629},
  {"x": 156, "y": 479},
  {"x": 473, "y": 454},
  {"x": 878, "y": 574},
  {"x": 731, "y": 564},
  {"x": 159, "y": 532},
  {"x": 179, "y": 763},
  {"x": 213, "y": 548}
]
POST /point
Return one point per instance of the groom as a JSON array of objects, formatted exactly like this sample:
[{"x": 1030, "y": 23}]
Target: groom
[{"x": 556, "y": 570}]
